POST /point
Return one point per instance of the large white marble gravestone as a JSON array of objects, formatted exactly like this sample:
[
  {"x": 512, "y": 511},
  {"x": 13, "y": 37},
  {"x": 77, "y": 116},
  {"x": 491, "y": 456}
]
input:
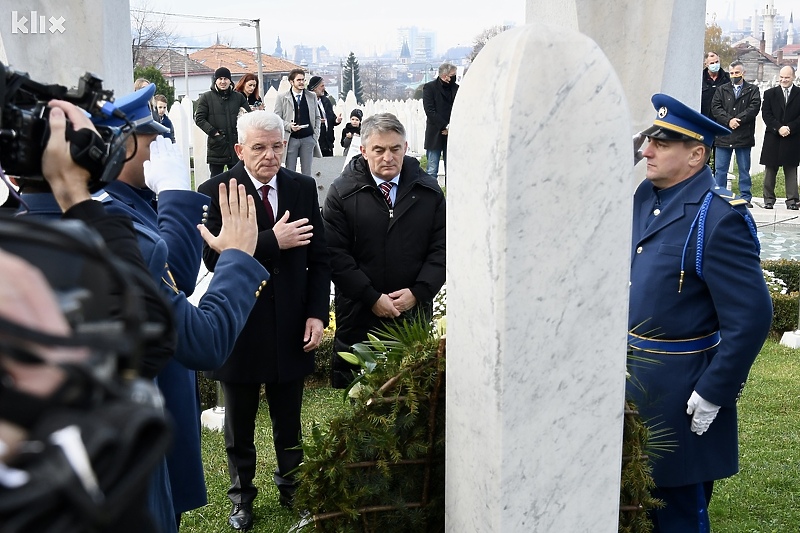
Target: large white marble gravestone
[
  {"x": 655, "y": 47},
  {"x": 538, "y": 231},
  {"x": 57, "y": 41}
]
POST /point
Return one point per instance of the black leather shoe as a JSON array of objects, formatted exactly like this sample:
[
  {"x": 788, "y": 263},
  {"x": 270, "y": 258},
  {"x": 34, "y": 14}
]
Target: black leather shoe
[
  {"x": 792, "y": 207},
  {"x": 241, "y": 517},
  {"x": 767, "y": 206},
  {"x": 285, "y": 501},
  {"x": 749, "y": 205}
]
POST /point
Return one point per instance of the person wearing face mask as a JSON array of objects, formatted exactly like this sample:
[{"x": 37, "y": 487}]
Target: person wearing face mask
[
  {"x": 735, "y": 105},
  {"x": 713, "y": 78},
  {"x": 437, "y": 101}
]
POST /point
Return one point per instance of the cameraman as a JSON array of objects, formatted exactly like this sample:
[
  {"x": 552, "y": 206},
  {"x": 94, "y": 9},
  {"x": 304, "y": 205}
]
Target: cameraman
[{"x": 26, "y": 299}]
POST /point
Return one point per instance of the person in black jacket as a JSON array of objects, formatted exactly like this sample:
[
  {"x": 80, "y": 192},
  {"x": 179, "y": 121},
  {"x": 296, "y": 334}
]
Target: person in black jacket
[
  {"x": 385, "y": 226},
  {"x": 329, "y": 118},
  {"x": 713, "y": 78},
  {"x": 735, "y": 105},
  {"x": 437, "y": 101},
  {"x": 216, "y": 114}
]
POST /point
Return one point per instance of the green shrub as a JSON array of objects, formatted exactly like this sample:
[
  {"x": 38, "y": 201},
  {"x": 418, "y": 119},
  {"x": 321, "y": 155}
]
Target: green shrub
[
  {"x": 785, "y": 269},
  {"x": 208, "y": 391},
  {"x": 784, "y": 312}
]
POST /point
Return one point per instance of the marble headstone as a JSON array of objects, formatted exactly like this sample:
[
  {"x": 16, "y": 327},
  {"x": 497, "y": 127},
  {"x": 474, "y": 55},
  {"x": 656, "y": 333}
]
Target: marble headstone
[
  {"x": 538, "y": 246},
  {"x": 57, "y": 41},
  {"x": 653, "y": 46}
]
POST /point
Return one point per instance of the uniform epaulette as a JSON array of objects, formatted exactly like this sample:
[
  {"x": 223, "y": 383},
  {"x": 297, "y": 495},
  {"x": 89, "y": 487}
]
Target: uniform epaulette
[
  {"x": 729, "y": 196},
  {"x": 102, "y": 197},
  {"x": 740, "y": 205}
]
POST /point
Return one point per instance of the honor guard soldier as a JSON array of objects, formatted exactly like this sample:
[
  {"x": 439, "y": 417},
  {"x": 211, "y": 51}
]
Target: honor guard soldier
[{"x": 699, "y": 311}]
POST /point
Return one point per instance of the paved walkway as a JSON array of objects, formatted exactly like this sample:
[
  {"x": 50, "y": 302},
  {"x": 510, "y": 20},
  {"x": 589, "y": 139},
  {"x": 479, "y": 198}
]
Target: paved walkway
[{"x": 776, "y": 217}]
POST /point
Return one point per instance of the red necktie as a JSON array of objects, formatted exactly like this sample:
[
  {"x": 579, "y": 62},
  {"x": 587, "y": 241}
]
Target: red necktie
[
  {"x": 268, "y": 206},
  {"x": 386, "y": 188}
]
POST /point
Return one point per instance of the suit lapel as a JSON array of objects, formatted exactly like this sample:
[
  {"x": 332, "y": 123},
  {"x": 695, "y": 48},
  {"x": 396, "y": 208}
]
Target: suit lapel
[{"x": 288, "y": 191}]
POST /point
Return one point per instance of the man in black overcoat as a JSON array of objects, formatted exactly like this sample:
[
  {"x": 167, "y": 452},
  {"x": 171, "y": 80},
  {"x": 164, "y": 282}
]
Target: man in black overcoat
[
  {"x": 437, "y": 101},
  {"x": 781, "y": 114},
  {"x": 276, "y": 346}
]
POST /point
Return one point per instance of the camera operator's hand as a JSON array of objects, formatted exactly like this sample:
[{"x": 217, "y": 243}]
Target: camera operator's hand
[
  {"x": 167, "y": 170},
  {"x": 68, "y": 180}
]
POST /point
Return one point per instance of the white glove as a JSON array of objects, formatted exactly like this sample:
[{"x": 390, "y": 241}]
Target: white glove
[
  {"x": 703, "y": 413},
  {"x": 167, "y": 170},
  {"x": 638, "y": 141}
]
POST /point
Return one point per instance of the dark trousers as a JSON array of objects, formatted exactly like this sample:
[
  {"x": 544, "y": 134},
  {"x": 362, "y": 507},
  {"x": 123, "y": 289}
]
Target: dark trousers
[
  {"x": 216, "y": 169},
  {"x": 685, "y": 509},
  {"x": 285, "y": 401},
  {"x": 790, "y": 173}
]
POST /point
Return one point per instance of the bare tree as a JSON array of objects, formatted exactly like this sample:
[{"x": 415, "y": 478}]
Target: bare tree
[
  {"x": 377, "y": 81},
  {"x": 483, "y": 38},
  {"x": 151, "y": 35}
]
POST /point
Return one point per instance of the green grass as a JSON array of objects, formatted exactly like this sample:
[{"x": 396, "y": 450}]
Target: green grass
[
  {"x": 763, "y": 498},
  {"x": 319, "y": 404}
]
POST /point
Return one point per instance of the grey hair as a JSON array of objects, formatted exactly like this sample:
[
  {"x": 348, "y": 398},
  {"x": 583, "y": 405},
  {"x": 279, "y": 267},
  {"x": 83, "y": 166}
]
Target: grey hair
[
  {"x": 381, "y": 123},
  {"x": 446, "y": 68},
  {"x": 258, "y": 120},
  {"x": 735, "y": 64}
]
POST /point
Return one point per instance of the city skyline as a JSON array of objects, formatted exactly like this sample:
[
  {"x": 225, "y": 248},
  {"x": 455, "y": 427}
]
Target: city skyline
[
  {"x": 741, "y": 9},
  {"x": 341, "y": 29}
]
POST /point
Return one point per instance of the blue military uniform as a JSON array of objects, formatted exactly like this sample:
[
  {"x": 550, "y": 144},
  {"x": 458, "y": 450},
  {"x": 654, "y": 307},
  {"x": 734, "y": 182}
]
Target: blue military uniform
[
  {"x": 699, "y": 307},
  {"x": 171, "y": 247}
]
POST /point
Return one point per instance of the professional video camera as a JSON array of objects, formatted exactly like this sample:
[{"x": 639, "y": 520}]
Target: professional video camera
[
  {"x": 24, "y": 127},
  {"x": 93, "y": 443}
]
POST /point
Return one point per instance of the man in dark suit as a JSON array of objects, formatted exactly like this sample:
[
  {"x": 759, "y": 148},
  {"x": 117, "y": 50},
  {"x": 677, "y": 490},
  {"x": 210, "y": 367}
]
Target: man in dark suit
[
  {"x": 437, "y": 101},
  {"x": 781, "y": 114},
  {"x": 276, "y": 346},
  {"x": 690, "y": 241}
]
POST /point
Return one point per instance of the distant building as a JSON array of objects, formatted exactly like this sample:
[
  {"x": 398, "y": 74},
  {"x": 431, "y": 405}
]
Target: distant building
[
  {"x": 758, "y": 65},
  {"x": 240, "y": 61},
  {"x": 186, "y": 75},
  {"x": 421, "y": 43}
]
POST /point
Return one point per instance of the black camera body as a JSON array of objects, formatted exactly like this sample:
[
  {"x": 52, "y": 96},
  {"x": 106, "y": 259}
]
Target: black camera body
[{"x": 24, "y": 126}]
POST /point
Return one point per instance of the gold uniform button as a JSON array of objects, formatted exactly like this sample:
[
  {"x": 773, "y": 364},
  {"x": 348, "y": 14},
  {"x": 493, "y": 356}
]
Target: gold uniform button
[
  {"x": 639, "y": 250},
  {"x": 258, "y": 293},
  {"x": 263, "y": 282},
  {"x": 205, "y": 208},
  {"x": 657, "y": 212}
]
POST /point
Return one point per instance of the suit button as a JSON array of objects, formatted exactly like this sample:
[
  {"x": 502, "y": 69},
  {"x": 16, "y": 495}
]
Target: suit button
[
  {"x": 263, "y": 282},
  {"x": 276, "y": 270},
  {"x": 639, "y": 250},
  {"x": 258, "y": 293},
  {"x": 205, "y": 208}
]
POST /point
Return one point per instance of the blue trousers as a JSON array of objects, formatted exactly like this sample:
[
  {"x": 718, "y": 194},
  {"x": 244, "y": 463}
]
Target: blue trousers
[
  {"x": 685, "y": 509},
  {"x": 723, "y": 160}
]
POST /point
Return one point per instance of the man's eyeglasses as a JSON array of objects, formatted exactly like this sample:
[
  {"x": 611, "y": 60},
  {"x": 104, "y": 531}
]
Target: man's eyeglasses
[{"x": 260, "y": 149}]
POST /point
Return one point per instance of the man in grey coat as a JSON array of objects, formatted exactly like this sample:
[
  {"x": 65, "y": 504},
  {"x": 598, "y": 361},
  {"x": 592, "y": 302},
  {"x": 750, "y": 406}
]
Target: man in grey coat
[{"x": 301, "y": 118}]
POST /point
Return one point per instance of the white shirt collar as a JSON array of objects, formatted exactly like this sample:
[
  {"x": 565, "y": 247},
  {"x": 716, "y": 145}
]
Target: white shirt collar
[{"x": 257, "y": 184}]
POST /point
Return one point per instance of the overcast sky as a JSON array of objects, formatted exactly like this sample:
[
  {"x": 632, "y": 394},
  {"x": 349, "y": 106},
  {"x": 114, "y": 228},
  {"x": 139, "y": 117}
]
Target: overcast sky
[
  {"x": 366, "y": 28},
  {"x": 745, "y": 8}
]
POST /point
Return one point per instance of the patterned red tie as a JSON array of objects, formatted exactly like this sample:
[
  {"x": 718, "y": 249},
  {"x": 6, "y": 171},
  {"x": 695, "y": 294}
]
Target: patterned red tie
[
  {"x": 386, "y": 188},
  {"x": 268, "y": 206}
]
